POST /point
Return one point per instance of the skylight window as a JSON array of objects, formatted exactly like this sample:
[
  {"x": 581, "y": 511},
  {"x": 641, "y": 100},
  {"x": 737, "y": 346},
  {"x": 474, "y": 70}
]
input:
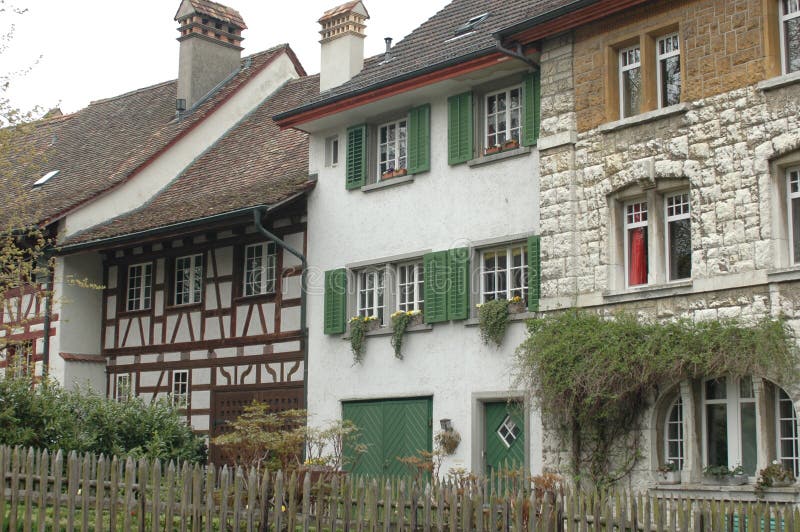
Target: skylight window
[
  {"x": 471, "y": 24},
  {"x": 45, "y": 178}
]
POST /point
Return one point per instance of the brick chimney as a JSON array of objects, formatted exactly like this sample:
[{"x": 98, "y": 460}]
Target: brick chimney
[
  {"x": 211, "y": 35},
  {"x": 342, "y": 43}
]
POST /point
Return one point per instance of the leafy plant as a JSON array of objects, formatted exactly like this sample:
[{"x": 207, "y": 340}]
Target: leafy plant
[
  {"x": 595, "y": 375},
  {"x": 668, "y": 467},
  {"x": 263, "y": 438},
  {"x": 358, "y": 333},
  {"x": 775, "y": 472},
  {"x": 400, "y": 322},
  {"x": 493, "y": 321},
  {"x": 719, "y": 471}
]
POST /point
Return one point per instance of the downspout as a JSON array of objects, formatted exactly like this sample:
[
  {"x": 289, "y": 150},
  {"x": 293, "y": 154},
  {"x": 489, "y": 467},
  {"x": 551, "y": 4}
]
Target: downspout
[
  {"x": 517, "y": 54},
  {"x": 258, "y": 212},
  {"x": 48, "y": 297}
]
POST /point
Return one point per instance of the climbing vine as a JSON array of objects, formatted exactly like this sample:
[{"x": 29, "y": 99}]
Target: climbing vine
[{"x": 595, "y": 376}]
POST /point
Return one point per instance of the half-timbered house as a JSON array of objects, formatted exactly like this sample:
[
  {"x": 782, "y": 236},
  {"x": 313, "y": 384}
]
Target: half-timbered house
[{"x": 186, "y": 203}]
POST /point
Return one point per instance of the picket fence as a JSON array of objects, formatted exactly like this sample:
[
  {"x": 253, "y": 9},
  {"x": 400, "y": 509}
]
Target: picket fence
[{"x": 43, "y": 492}]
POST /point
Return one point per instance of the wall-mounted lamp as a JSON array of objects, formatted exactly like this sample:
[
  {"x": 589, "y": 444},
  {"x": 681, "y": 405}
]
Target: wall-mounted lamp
[{"x": 446, "y": 424}]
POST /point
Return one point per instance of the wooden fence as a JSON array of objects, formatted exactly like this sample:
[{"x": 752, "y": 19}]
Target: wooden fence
[{"x": 43, "y": 492}]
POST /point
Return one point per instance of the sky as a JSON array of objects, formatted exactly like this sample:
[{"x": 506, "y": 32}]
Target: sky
[{"x": 78, "y": 51}]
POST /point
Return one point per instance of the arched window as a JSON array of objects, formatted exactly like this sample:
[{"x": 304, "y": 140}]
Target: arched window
[
  {"x": 787, "y": 433},
  {"x": 673, "y": 448}
]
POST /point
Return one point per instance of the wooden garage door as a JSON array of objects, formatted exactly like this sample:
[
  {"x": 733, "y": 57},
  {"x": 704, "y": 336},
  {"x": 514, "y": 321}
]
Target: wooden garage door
[
  {"x": 228, "y": 405},
  {"x": 391, "y": 429}
]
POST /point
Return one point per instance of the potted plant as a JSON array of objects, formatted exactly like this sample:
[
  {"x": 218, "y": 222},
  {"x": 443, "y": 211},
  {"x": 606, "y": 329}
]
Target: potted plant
[
  {"x": 400, "y": 172},
  {"x": 491, "y": 150},
  {"x": 669, "y": 473},
  {"x": 774, "y": 476},
  {"x": 359, "y": 326},
  {"x": 517, "y": 305},
  {"x": 388, "y": 174},
  {"x": 722, "y": 475},
  {"x": 493, "y": 320},
  {"x": 510, "y": 144},
  {"x": 402, "y": 320}
]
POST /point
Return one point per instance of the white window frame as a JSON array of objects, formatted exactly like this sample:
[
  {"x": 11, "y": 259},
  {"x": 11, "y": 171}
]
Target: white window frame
[
  {"x": 399, "y": 144},
  {"x": 123, "y": 391},
  {"x": 332, "y": 151},
  {"x": 668, "y": 457},
  {"x": 265, "y": 284},
  {"x": 733, "y": 402},
  {"x": 510, "y": 290},
  {"x": 373, "y": 302},
  {"x": 626, "y": 226},
  {"x": 792, "y": 176},
  {"x": 662, "y": 56},
  {"x": 415, "y": 277},
  {"x": 794, "y": 438},
  {"x": 193, "y": 285},
  {"x": 674, "y": 213},
  {"x": 180, "y": 388},
  {"x": 142, "y": 298},
  {"x": 625, "y": 66},
  {"x": 509, "y": 131},
  {"x": 785, "y": 17}
]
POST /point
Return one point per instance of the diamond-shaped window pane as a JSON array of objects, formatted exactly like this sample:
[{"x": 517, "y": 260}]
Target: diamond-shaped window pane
[{"x": 508, "y": 431}]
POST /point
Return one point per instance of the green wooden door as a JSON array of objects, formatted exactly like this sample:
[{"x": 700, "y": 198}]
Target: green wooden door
[
  {"x": 505, "y": 435},
  {"x": 391, "y": 429}
]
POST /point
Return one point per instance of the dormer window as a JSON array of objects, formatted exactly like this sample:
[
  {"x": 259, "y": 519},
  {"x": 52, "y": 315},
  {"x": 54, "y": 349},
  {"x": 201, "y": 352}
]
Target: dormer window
[{"x": 471, "y": 24}]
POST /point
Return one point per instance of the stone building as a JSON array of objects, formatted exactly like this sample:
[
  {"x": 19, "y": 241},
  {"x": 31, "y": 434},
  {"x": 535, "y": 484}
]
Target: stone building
[{"x": 669, "y": 152}]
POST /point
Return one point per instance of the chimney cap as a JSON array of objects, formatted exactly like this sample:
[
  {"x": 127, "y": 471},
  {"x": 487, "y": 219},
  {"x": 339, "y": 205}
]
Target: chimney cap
[
  {"x": 356, "y": 6},
  {"x": 225, "y": 14}
]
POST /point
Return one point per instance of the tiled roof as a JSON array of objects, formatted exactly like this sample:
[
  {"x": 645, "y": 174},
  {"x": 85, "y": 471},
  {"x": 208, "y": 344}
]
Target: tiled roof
[
  {"x": 255, "y": 163},
  {"x": 105, "y": 143},
  {"x": 434, "y": 43},
  {"x": 219, "y": 12}
]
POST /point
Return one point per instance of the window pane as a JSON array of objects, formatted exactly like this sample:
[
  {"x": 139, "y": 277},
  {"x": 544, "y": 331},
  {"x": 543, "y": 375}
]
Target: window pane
[
  {"x": 680, "y": 249},
  {"x": 749, "y": 440},
  {"x": 717, "y": 434},
  {"x": 791, "y": 32},
  {"x": 631, "y": 92},
  {"x": 637, "y": 256},
  {"x": 796, "y": 229},
  {"x": 670, "y": 81},
  {"x": 715, "y": 389}
]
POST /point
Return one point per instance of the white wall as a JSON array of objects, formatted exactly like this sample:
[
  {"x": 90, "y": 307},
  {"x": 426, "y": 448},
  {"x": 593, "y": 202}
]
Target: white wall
[{"x": 445, "y": 208}]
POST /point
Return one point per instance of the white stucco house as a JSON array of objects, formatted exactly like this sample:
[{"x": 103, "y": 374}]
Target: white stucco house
[{"x": 415, "y": 208}]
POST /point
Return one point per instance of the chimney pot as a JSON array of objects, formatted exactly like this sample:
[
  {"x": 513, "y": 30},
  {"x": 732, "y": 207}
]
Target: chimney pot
[{"x": 388, "y": 55}]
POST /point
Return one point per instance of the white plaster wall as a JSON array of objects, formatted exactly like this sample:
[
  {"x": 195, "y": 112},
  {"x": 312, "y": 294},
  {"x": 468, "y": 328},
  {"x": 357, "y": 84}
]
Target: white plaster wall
[
  {"x": 80, "y": 311},
  {"x": 340, "y": 60},
  {"x": 445, "y": 208},
  {"x": 159, "y": 173}
]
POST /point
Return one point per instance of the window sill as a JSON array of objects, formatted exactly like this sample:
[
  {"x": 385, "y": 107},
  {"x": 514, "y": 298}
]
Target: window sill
[
  {"x": 137, "y": 312},
  {"x": 790, "y": 273},
  {"x": 649, "y": 292},
  {"x": 779, "y": 81},
  {"x": 385, "y": 330},
  {"x": 520, "y": 316},
  {"x": 386, "y": 183},
  {"x": 643, "y": 118},
  {"x": 745, "y": 492},
  {"x": 486, "y": 159},
  {"x": 184, "y": 307}
]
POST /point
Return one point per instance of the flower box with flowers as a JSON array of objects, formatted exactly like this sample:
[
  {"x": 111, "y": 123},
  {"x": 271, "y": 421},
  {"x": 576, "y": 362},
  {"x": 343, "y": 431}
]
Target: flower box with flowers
[
  {"x": 517, "y": 305},
  {"x": 389, "y": 174},
  {"x": 511, "y": 144},
  {"x": 669, "y": 473},
  {"x": 491, "y": 150}
]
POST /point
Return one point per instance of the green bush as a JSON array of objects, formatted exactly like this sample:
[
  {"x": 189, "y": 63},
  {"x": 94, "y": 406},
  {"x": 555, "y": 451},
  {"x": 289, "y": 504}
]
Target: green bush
[{"x": 48, "y": 416}]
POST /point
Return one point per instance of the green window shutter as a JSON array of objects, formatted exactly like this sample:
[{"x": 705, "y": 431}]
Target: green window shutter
[
  {"x": 531, "y": 102},
  {"x": 534, "y": 272},
  {"x": 356, "y": 156},
  {"x": 436, "y": 281},
  {"x": 419, "y": 139},
  {"x": 459, "y": 128},
  {"x": 458, "y": 295},
  {"x": 335, "y": 301}
]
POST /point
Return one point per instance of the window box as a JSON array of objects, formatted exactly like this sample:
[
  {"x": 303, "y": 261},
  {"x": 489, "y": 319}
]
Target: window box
[
  {"x": 512, "y": 144},
  {"x": 724, "y": 480},
  {"x": 389, "y": 174},
  {"x": 517, "y": 307},
  {"x": 668, "y": 477},
  {"x": 491, "y": 150}
]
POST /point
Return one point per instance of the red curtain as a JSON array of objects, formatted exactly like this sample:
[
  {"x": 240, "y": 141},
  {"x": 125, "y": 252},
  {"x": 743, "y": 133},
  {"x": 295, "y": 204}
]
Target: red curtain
[{"x": 637, "y": 261}]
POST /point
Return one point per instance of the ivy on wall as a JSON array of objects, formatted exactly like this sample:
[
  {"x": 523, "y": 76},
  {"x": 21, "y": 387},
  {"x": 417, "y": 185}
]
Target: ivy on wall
[{"x": 594, "y": 376}]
